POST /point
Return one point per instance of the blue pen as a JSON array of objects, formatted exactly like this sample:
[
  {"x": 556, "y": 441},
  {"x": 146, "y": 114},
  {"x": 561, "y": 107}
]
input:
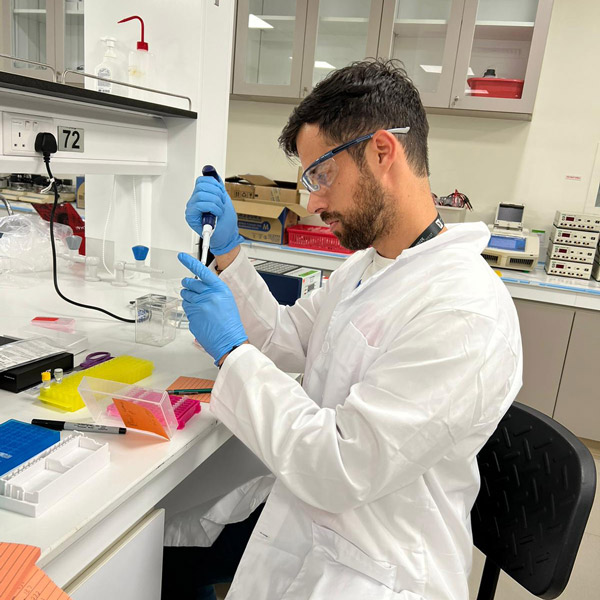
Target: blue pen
[{"x": 208, "y": 220}]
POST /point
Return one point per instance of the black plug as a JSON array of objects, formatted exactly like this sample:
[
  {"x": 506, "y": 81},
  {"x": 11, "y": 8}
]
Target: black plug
[{"x": 46, "y": 144}]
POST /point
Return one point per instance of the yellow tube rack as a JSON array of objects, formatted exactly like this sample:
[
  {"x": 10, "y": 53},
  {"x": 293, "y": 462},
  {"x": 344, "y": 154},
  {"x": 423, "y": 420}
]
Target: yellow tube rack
[{"x": 125, "y": 369}]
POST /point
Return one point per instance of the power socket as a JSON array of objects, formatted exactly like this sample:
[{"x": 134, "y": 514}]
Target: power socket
[{"x": 20, "y": 131}]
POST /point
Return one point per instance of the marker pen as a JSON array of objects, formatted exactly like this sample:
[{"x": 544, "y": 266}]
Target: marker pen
[{"x": 67, "y": 426}]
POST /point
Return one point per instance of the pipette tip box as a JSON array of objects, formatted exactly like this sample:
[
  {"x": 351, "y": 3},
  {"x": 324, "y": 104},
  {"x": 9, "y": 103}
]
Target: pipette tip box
[
  {"x": 131, "y": 406},
  {"x": 40, "y": 482},
  {"x": 21, "y": 441}
]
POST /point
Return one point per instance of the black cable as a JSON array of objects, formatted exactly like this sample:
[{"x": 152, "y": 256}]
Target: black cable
[{"x": 55, "y": 189}]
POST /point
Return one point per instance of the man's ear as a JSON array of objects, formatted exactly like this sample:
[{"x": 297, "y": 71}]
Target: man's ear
[{"x": 385, "y": 149}]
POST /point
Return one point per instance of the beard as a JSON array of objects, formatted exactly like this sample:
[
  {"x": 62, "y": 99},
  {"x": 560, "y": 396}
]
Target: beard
[{"x": 371, "y": 217}]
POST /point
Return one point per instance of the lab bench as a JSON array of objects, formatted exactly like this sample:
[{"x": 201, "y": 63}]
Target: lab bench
[
  {"x": 109, "y": 529},
  {"x": 560, "y": 326}
]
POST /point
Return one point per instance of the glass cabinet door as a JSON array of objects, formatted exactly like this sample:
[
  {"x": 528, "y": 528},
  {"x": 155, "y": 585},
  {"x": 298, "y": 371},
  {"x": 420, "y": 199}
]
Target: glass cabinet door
[
  {"x": 424, "y": 35},
  {"x": 28, "y": 32},
  {"x": 338, "y": 33},
  {"x": 73, "y": 35},
  {"x": 269, "y": 47},
  {"x": 500, "y": 54}
]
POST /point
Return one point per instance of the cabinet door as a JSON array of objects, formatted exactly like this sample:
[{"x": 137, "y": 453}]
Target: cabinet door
[
  {"x": 131, "y": 569},
  {"x": 28, "y": 32},
  {"x": 578, "y": 404},
  {"x": 424, "y": 36},
  {"x": 338, "y": 33},
  {"x": 70, "y": 36},
  {"x": 269, "y": 47},
  {"x": 505, "y": 41},
  {"x": 545, "y": 330}
]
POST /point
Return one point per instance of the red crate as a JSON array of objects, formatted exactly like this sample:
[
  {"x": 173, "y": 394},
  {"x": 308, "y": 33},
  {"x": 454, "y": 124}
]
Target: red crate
[
  {"x": 496, "y": 87},
  {"x": 313, "y": 237}
]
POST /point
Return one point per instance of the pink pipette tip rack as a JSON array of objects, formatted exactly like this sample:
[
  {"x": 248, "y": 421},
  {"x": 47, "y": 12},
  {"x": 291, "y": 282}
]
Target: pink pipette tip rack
[{"x": 184, "y": 408}]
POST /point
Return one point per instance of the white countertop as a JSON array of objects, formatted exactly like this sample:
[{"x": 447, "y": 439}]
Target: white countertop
[
  {"x": 537, "y": 285},
  {"x": 143, "y": 468}
]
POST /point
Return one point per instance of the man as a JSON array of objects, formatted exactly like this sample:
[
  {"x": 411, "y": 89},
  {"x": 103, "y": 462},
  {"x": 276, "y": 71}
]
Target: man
[{"x": 411, "y": 354}]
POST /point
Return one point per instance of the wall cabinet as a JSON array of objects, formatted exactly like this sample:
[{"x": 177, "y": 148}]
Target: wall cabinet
[
  {"x": 284, "y": 48},
  {"x": 44, "y": 31},
  {"x": 560, "y": 349}
]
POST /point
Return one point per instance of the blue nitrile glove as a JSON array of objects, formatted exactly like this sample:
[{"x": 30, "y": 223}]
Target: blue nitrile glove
[
  {"x": 209, "y": 196},
  {"x": 211, "y": 310}
]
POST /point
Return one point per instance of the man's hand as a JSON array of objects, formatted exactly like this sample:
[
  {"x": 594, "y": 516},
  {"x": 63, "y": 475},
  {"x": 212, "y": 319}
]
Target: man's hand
[
  {"x": 211, "y": 310},
  {"x": 209, "y": 196}
]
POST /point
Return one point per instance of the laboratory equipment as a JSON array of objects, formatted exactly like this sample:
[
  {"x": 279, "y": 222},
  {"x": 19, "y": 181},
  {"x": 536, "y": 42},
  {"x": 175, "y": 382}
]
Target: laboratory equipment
[
  {"x": 156, "y": 319},
  {"x": 58, "y": 323},
  {"x": 184, "y": 408},
  {"x": 568, "y": 269},
  {"x": 123, "y": 369},
  {"x": 572, "y": 253},
  {"x": 20, "y": 441},
  {"x": 573, "y": 237},
  {"x": 596, "y": 270},
  {"x": 583, "y": 222},
  {"x": 46, "y": 377},
  {"x": 139, "y": 253},
  {"x": 288, "y": 283},
  {"x": 208, "y": 220},
  {"x": 511, "y": 246},
  {"x": 140, "y": 65},
  {"x": 51, "y": 474},
  {"x": 23, "y": 362},
  {"x": 58, "y": 375},
  {"x": 117, "y": 404}
]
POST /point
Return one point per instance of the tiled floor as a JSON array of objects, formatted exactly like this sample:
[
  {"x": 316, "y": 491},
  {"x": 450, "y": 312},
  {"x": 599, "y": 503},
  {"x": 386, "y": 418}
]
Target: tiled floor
[{"x": 585, "y": 579}]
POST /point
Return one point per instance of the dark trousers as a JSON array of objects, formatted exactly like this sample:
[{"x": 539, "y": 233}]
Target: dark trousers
[{"x": 190, "y": 572}]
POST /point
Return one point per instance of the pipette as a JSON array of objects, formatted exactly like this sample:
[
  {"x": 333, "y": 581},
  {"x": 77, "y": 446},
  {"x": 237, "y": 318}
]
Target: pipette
[{"x": 208, "y": 220}]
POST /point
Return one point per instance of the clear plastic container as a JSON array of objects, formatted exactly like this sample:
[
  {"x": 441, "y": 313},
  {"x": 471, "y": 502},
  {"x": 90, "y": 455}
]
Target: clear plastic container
[
  {"x": 156, "y": 319},
  {"x": 131, "y": 406}
]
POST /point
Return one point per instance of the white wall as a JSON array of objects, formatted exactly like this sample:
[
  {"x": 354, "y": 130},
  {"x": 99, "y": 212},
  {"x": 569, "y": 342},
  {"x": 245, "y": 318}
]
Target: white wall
[
  {"x": 490, "y": 160},
  {"x": 191, "y": 42}
]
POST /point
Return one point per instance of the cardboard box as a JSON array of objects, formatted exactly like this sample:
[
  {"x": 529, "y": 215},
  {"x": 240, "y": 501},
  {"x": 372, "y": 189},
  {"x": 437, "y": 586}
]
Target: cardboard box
[
  {"x": 266, "y": 221},
  {"x": 262, "y": 189}
]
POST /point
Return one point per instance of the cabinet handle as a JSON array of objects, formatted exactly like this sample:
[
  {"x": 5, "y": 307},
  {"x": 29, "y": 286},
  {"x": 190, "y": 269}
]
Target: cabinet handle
[{"x": 455, "y": 100}]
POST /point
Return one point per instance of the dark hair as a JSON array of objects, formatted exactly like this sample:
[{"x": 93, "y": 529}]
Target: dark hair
[{"x": 359, "y": 99}]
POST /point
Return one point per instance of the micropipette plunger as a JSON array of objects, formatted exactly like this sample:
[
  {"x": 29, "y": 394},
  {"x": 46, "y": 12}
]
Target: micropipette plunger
[{"x": 208, "y": 220}]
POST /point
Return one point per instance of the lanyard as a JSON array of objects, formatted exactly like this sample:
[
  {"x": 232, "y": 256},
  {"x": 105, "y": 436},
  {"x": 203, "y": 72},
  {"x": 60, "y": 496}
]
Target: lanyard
[
  {"x": 429, "y": 233},
  {"x": 434, "y": 228}
]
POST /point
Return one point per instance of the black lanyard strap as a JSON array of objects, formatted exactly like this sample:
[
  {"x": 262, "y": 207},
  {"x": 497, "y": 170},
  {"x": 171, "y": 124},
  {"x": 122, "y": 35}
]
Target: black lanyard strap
[{"x": 434, "y": 228}]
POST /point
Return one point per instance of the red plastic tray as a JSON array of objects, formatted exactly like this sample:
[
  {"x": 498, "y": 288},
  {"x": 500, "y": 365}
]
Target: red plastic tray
[
  {"x": 313, "y": 237},
  {"x": 496, "y": 87}
]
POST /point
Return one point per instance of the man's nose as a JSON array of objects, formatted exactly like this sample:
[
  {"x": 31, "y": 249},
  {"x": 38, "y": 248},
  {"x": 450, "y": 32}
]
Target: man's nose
[{"x": 317, "y": 203}]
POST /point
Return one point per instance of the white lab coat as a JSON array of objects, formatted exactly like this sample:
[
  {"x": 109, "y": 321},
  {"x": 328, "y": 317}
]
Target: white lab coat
[{"x": 406, "y": 377}]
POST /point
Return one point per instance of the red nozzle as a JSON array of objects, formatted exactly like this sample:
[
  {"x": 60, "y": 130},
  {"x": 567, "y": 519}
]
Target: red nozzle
[{"x": 141, "y": 45}]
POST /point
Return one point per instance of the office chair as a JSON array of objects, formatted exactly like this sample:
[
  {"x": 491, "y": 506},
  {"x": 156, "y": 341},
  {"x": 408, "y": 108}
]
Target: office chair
[{"x": 537, "y": 489}]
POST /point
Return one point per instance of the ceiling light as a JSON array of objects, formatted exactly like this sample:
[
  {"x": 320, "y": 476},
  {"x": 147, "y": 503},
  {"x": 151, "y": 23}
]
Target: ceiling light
[
  {"x": 255, "y": 23},
  {"x": 323, "y": 64}
]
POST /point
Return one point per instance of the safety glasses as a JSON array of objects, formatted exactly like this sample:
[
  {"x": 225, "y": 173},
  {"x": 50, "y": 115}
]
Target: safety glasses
[{"x": 323, "y": 171}]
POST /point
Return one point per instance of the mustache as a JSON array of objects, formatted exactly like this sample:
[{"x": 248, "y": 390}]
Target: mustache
[{"x": 331, "y": 216}]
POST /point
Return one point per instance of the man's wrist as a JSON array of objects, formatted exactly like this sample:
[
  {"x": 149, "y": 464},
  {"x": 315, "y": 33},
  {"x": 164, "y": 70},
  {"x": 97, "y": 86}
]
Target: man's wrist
[
  {"x": 224, "y": 260},
  {"x": 222, "y": 360}
]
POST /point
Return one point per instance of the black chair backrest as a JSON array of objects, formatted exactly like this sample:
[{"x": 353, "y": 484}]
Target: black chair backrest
[{"x": 537, "y": 489}]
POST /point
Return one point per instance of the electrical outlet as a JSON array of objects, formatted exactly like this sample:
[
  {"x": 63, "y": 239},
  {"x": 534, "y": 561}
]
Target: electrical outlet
[{"x": 20, "y": 131}]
